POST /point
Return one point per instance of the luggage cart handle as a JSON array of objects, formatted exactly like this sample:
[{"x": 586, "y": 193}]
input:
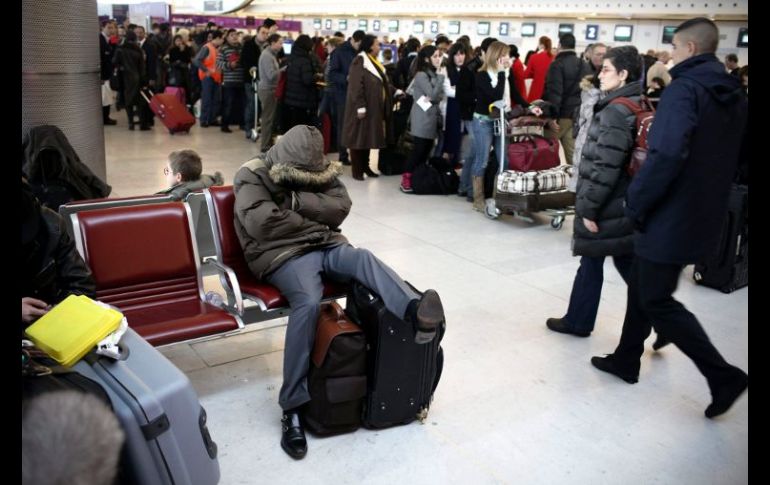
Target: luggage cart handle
[{"x": 500, "y": 105}]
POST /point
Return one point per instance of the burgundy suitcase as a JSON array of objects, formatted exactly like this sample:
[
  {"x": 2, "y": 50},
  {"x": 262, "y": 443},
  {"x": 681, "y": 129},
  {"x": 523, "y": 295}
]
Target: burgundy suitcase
[
  {"x": 171, "y": 112},
  {"x": 531, "y": 152}
]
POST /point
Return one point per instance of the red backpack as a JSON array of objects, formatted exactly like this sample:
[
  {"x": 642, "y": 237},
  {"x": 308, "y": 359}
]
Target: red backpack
[{"x": 645, "y": 114}]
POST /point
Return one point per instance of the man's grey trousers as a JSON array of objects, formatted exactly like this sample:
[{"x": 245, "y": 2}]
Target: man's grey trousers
[{"x": 299, "y": 280}]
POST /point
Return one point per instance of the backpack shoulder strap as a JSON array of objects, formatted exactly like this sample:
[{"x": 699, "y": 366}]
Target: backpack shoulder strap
[{"x": 634, "y": 107}]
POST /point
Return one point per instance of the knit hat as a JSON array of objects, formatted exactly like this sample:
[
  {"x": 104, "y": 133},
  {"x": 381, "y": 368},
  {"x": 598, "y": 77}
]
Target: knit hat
[{"x": 298, "y": 157}]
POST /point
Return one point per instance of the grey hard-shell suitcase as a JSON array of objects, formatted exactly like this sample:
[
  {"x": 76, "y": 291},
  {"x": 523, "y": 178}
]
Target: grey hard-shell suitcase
[{"x": 167, "y": 441}]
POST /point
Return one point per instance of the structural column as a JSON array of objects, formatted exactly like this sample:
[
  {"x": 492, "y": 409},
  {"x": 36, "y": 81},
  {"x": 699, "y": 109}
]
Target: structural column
[{"x": 60, "y": 73}]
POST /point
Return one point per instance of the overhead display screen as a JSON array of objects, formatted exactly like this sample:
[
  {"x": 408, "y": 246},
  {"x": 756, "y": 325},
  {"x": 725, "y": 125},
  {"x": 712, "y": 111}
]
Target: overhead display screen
[
  {"x": 743, "y": 37},
  {"x": 624, "y": 33},
  {"x": 566, "y": 29},
  {"x": 668, "y": 34},
  {"x": 528, "y": 29}
]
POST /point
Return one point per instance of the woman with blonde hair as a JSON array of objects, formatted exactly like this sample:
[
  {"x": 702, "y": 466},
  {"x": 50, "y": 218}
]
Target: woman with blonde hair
[{"x": 494, "y": 82}]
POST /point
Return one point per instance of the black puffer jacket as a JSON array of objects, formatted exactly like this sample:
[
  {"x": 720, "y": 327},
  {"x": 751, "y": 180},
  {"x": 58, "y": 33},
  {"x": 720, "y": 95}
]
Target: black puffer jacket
[
  {"x": 562, "y": 83},
  {"x": 603, "y": 178},
  {"x": 301, "y": 91}
]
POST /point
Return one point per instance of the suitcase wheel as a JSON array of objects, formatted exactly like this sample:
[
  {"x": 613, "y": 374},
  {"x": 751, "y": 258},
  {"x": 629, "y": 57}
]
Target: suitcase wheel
[{"x": 557, "y": 222}]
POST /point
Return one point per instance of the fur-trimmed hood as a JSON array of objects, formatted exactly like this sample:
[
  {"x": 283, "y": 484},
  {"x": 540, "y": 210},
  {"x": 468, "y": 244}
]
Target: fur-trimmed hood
[
  {"x": 587, "y": 83},
  {"x": 284, "y": 173},
  {"x": 298, "y": 159}
]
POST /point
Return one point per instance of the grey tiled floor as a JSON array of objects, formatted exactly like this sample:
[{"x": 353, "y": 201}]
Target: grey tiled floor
[{"x": 517, "y": 403}]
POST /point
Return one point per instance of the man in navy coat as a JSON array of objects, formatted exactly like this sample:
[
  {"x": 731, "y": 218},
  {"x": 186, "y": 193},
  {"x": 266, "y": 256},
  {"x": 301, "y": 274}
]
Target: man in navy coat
[
  {"x": 678, "y": 202},
  {"x": 339, "y": 66}
]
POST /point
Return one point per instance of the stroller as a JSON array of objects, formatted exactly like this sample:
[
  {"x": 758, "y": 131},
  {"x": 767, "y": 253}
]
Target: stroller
[{"x": 523, "y": 193}]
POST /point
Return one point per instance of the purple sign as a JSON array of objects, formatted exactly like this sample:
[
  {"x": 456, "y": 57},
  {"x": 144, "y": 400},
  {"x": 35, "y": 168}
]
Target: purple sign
[{"x": 231, "y": 22}]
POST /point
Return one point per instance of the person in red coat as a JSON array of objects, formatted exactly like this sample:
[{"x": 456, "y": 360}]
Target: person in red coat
[
  {"x": 538, "y": 67},
  {"x": 517, "y": 70}
]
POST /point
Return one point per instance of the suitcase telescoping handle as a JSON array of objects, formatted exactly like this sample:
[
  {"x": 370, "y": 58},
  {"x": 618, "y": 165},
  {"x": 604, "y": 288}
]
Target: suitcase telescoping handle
[{"x": 141, "y": 91}]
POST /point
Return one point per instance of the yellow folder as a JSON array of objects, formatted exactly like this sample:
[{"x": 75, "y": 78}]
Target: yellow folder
[{"x": 72, "y": 328}]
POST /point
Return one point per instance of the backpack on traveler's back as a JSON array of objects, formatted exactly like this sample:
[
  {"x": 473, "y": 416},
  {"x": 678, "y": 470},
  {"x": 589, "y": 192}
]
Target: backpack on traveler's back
[{"x": 645, "y": 114}]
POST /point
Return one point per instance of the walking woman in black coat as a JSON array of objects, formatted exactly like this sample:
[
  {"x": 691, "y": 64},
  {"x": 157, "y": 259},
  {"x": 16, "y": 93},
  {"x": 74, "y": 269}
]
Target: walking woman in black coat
[
  {"x": 129, "y": 59},
  {"x": 601, "y": 228}
]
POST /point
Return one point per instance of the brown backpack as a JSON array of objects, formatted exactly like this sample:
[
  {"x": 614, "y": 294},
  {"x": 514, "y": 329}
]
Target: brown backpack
[{"x": 337, "y": 375}]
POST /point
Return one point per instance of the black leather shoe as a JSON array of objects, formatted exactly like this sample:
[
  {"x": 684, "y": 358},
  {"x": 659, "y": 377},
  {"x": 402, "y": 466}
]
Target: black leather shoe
[
  {"x": 607, "y": 364},
  {"x": 560, "y": 325},
  {"x": 293, "y": 439},
  {"x": 346, "y": 162},
  {"x": 724, "y": 396},
  {"x": 370, "y": 173},
  {"x": 429, "y": 314},
  {"x": 110, "y": 121},
  {"x": 660, "y": 342},
  {"x": 226, "y": 129}
]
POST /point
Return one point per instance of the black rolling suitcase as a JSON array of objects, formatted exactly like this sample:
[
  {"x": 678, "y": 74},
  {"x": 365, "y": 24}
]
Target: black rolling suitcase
[
  {"x": 728, "y": 269},
  {"x": 401, "y": 375}
]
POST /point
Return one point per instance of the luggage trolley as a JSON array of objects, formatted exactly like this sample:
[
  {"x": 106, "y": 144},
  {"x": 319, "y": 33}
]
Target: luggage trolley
[
  {"x": 254, "y": 134},
  {"x": 557, "y": 205}
]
